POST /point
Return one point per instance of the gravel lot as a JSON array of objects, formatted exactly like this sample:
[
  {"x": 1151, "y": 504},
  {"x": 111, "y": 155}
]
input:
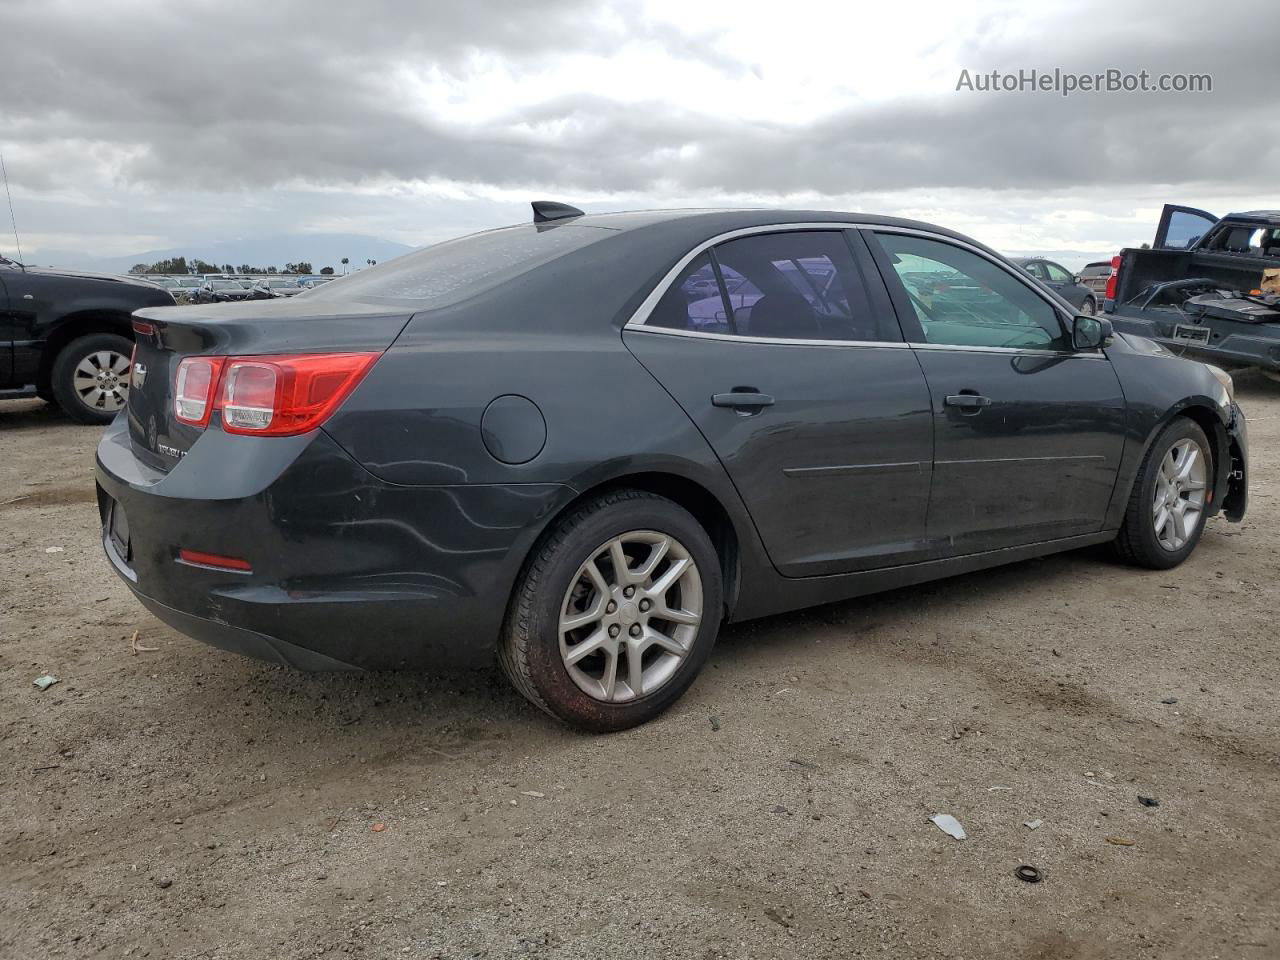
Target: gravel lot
[{"x": 183, "y": 802}]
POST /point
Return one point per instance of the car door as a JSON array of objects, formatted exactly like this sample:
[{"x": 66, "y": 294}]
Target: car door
[
  {"x": 1028, "y": 432},
  {"x": 1180, "y": 228},
  {"x": 797, "y": 375}
]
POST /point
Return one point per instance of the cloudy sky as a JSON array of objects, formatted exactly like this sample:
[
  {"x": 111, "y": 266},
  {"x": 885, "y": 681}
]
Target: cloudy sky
[{"x": 127, "y": 126}]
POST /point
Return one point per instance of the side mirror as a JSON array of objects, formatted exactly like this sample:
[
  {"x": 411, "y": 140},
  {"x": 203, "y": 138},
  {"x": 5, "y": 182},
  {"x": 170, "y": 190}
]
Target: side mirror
[
  {"x": 1077, "y": 279},
  {"x": 1090, "y": 333}
]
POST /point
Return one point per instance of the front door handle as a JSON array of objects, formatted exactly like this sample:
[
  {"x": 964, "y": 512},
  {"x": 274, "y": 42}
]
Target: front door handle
[
  {"x": 742, "y": 400},
  {"x": 968, "y": 401}
]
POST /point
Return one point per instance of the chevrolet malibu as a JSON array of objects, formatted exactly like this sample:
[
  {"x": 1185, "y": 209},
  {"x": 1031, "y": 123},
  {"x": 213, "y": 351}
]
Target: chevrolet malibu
[{"x": 586, "y": 442}]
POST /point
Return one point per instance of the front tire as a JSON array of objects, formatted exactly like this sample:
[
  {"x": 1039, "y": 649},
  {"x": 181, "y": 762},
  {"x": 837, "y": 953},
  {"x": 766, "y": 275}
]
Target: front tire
[
  {"x": 615, "y": 614},
  {"x": 1090, "y": 307},
  {"x": 1166, "y": 512},
  {"x": 90, "y": 377}
]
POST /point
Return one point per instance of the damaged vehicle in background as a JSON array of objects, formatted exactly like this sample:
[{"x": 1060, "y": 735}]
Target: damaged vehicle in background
[
  {"x": 586, "y": 442},
  {"x": 1208, "y": 287}
]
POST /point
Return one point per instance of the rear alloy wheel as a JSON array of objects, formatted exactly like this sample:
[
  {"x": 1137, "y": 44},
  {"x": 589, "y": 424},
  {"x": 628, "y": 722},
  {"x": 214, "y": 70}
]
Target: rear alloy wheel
[
  {"x": 1089, "y": 307},
  {"x": 90, "y": 377},
  {"x": 616, "y": 613},
  {"x": 1166, "y": 511}
]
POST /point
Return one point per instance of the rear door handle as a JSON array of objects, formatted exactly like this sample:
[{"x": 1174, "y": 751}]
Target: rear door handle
[
  {"x": 742, "y": 400},
  {"x": 967, "y": 401}
]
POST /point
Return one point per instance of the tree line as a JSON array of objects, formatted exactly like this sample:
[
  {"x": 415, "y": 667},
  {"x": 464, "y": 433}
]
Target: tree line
[{"x": 181, "y": 265}]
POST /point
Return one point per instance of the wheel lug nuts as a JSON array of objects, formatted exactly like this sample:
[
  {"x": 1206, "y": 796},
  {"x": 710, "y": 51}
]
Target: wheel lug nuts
[
  {"x": 611, "y": 607},
  {"x": 645, "y": 604},
  {"x": 629, "y": 592},
  {"x": 615, "y": 630},
  {"x": 635, "y": 630}
]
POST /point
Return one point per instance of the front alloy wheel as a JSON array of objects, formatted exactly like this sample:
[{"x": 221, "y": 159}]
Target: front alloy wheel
[
  {"x": 1179, "y": 495},
  {"x": 1169, "y": 501},
  {"x": 90, "y": 377}
]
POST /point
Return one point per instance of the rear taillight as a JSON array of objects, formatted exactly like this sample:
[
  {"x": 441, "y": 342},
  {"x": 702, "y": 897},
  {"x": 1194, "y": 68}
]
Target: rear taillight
[
  {"x": 1114, "y": 279},
  {"x": 276, "y": 396},
  {"x": 194, "y": 390},
  {"x": 284, "y": 395}
]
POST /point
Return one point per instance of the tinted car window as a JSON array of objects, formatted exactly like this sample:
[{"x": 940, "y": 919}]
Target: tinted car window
[
  {"x": 963, "y": 299},
  {"x": 1036, "y": 269},
  {"x": 458, "y": 269},
  {"x": 797, "y": 286},
  {"x": 1057, "y": 274},
  {"x": 693, "y": 301}
]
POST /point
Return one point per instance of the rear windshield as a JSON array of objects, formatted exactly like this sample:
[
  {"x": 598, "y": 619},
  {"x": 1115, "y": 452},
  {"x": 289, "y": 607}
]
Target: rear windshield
[{"x": 455, "y": 270}]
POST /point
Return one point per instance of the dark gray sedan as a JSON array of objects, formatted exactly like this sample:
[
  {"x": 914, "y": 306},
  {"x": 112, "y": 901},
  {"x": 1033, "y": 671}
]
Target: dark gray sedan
[
  {"x": 1063, "y": 282},
  {"x": 588, "y": 441}
]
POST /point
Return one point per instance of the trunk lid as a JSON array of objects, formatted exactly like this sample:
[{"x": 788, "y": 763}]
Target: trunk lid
[{"x": 164, "y": 336}]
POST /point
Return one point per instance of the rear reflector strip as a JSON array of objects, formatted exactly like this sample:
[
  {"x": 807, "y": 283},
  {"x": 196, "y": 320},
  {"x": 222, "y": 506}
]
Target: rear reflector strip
[{"x": 215, "y": 561}]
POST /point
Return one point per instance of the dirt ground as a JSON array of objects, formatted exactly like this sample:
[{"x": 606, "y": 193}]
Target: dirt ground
[{"x": 184, "y": 802}]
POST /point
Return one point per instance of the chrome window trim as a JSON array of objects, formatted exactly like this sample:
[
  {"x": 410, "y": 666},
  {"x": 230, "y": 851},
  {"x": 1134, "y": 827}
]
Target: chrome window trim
[
  {"x": 772, "y": 341},
  {"x": 1006, "y": 351},
  {"x": 639, "y": 318}
]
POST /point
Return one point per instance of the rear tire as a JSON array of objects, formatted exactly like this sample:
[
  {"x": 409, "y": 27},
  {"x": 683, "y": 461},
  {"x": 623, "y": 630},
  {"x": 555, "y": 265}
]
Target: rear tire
[
  {"x": 1090, "y": 307},
  {"x": 90, "y": 377},
  {"x": 585, "y": 675},
  {"x": 1162, "y": 523}
]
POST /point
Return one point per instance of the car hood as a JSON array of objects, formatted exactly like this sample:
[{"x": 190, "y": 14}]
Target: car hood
[{"x": 90, "y": 275}]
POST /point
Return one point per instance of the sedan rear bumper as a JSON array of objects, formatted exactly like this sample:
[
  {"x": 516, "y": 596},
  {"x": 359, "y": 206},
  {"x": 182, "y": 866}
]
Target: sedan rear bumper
[{"x": 346, "y": 571}]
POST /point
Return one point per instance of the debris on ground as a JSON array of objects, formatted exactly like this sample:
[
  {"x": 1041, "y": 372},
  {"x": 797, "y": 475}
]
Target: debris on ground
[
  {"x": 53, "y": 550},
  {"x": 1121, "y": 841},
  {"x": 379, "y": 827},
  {"x": 136, "y": 648},
  {"x": 1148, "y": 801},
  {"x": 949, "y": 825},
  {"x": 807, "y": 764},
  {"x": 1033, "y": 824},
  {"x": 715, "y": 724},
  {"x": 1169, "y": 700},
  {"x": 532, "y": 793},
  {"x": 781, "y": 809},
  {"x": 994, "y": 789},
  {"x": 781, "y": 917},
  {"x": 164, "y": 883},
  {"x": 1028, "y": 873},
  {"x": 45, "y": 682}
]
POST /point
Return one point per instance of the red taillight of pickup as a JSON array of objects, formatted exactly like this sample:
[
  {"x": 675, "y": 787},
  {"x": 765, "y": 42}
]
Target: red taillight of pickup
[
  {"x": 1114, "y": 279},
  {"x": 273, "y": 396}
]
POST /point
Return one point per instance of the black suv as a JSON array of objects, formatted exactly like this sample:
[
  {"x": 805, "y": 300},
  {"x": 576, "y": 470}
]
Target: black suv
[{"x": 67, "y": 337}]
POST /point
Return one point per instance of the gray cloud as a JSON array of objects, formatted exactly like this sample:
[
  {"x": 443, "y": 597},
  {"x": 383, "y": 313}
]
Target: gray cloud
[{"x": 235, "y": 96}]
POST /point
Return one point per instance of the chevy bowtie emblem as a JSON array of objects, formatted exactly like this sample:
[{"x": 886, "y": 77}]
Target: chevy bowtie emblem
[{"x": 139, "y": 374}]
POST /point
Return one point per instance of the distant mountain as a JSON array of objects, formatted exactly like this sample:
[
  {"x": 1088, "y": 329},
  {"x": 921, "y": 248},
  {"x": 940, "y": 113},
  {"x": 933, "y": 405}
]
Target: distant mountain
[{"x": 320, "y": 249}]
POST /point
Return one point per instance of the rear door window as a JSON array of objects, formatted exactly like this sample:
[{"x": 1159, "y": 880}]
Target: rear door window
[{"x": 802, "y": 285}]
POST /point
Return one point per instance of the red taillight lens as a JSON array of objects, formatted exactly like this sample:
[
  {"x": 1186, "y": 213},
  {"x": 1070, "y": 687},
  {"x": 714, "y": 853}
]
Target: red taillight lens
[
  {"x": 285, "y": 395},
  {"x": 193, "y": 393},
  {"x": 1114, "y": 279}
]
